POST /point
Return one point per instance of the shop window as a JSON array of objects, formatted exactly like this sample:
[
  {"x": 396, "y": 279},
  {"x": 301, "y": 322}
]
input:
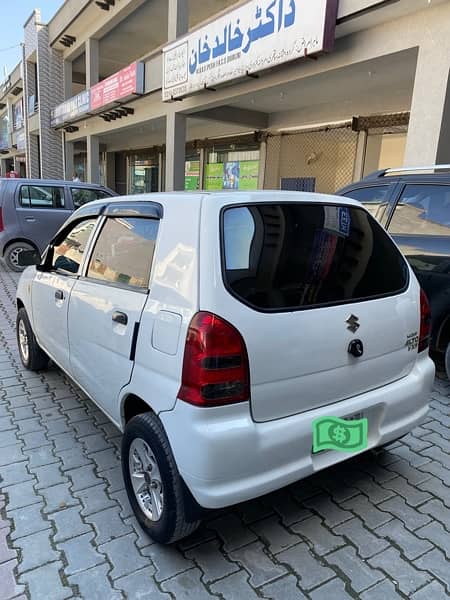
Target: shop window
[
  {"x": 144, "y": 174},
  {"x": 232, "y": 170}
]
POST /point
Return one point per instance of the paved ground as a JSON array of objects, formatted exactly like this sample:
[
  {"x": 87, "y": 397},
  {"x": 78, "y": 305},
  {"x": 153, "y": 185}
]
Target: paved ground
[{"x": 375, "y": 528}]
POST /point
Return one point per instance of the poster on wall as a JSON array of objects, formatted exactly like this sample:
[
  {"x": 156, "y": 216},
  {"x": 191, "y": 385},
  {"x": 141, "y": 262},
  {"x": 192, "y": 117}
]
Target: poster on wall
[
  {"x": 192, "y": 175},
  {"x": 232, "y": 175},
  {"x": 258, "y": 35},
  {"x": 18, "y": 114},
  {"x": 4, "y": 135}
]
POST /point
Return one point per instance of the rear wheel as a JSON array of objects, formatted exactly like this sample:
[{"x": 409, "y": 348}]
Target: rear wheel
[
  {"x": 31, "y": 354},
  {"x": 157, "y": 494},
  {"x": 12, "y": 252},
  {"x": 447, "y": 361}
]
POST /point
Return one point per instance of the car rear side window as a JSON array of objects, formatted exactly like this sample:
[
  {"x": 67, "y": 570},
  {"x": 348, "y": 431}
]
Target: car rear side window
[
  {"x": 68, "y": 253},
  {"x": 124, "y": 251},
  {"x": 82, "y": 196},
  {"x": 42, "y": 196},
  {"x": 298, "y": 255},
  {"x": 373, "y": 198}
]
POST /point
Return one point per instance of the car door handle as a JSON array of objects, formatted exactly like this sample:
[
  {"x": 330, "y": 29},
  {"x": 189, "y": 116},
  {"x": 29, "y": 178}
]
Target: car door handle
[
  {"x": 30, "y": 220},
  {"x": 59, "y": 295},
  {"x": 120, "y": 317}
]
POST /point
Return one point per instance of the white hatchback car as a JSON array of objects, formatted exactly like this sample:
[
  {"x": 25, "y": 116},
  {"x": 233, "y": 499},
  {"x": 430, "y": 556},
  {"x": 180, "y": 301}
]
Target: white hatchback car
[{"x": 213, "y": 329}]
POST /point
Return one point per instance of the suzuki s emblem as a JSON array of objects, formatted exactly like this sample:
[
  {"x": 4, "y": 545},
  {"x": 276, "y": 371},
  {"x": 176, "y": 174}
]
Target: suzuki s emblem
[{"x": 353, "y": 323}]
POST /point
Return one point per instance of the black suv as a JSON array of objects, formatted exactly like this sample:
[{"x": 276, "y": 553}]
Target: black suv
[{"x": 414, "y": 206}]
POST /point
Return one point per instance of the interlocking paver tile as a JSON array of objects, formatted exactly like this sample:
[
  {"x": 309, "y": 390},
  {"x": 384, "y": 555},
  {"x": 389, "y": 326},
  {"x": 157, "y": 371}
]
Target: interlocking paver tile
[
  {"x": 58, "y": 497},
  {"x": 49, "y": 475},
  {"x": 15, "y": 473},
  {"x": 318, "y": 536},
  {"x": 108, "y": 525},
  {"x": 285, "y": 588},
  {"x": 22, "y": 494},
  {"x": 432, "y": 591},
  {"x": 212, "y": 561},
  {"x": 45, "y": 583},
  {"x": 385, "y": 590},
  {"x": 141, "y": 585},
  {"x": 45, "y": 455},
  {"x": 235, "y": 587},
  {"x": 94, "y": 584},
  {"x": 28, "y": 520},
  {"x": 9, "y": 588},
  {"x": 366, "y": 542},
  {"x": 288, "y": 508},
  {"x": 36, "y": 551},
  {"x": 68, "y": 524},
  {"x": 186, "y": 586},
  {"x": 359, "y": 573},
  {"x": 124, "y": 556},
  {"x": 168, "y": 561},
  {"x": 412, "y": 518},
  {"x": 436, "y": 533},
  {"x": 81, "y": 554},
  {"x": 232, "y": 531},
  {"x": 259, "y": 566},
  {"x": 409, "y": 579},
  {"x": 369, "y": 513},
  {"x": 333, "y": 589},
  {"x": 275, "y": 535},
  {"x": 6, "y": 553},
  {"x": 310, "y": 572},
  {"x": 436, "y": 563},
  {"x": 411, "y": 545},
  {"x": 94, "y": 499},
  {"x": 83, "y": 477},
  {"x": 436, "y": 509},
  {"x": 411, "y": 494}
]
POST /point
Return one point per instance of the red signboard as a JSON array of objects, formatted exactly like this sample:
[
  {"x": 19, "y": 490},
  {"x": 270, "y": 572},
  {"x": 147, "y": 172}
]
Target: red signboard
[{"x": 120, "y": 86}]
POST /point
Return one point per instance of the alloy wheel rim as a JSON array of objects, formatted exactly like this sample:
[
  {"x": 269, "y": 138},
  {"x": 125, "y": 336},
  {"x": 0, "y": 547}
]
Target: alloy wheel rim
[
  {"x": 14, "y": 256},
  {"x": 146, "y": 479},
  {"x": 23, "y": 341}
]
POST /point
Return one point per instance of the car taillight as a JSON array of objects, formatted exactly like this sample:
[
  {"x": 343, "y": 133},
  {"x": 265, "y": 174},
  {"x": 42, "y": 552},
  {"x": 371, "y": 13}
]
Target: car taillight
[
  {"x": 215, "y": 366},
  {"x": 2, "y": 227},
  {"x": 425, "y": 322}
]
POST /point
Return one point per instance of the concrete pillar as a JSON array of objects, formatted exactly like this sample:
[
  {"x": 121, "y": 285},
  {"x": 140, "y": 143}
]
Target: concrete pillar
[
  {"x": 93, "y": 159},
  {"x": 178, "y": 21},
  {"x": 68, "y": 74},
  {"x": 69, "y": 167},
  {"x": 92, "y": 62},
  {"x": 262, "y": 164},
  {"x": 111, "y": 170},
  {"x": 428, "y": 140},
  {"x": 175, "y": 151},
  {"x": 360, "y": 158}
]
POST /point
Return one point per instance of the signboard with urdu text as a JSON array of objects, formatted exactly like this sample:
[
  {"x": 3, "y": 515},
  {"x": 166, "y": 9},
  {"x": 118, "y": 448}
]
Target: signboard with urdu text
[{"x": 258, "y": 35}]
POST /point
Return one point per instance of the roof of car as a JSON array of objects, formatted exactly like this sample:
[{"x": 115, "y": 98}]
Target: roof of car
[
  {"x": 152, "y": 204},
  {"x": 23, "y": 180},
  {"x": 426, "y": 172}
]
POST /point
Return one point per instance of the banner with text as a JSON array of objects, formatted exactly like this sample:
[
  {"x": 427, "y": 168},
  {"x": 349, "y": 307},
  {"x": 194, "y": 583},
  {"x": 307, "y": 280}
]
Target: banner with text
[
  {"x": 255, "y": 36},
  {"x": 119, "y": 87},
  {"x": 71, "y": 109}
]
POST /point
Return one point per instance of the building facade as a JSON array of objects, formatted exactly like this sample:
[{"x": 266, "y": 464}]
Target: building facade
[{"x": 150, "y": 95}]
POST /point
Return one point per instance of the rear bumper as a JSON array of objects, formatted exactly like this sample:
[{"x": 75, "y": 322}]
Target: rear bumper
[{"x": 225, "y": 457}]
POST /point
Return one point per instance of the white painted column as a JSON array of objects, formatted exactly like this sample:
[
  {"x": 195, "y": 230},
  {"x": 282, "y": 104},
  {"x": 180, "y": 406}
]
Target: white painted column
[
  {"x": 428, "y": 140},
  {"x": 93, "y": 159},
  {"x": 178, "y": 21},
  {"x": 92, "y": 62}
]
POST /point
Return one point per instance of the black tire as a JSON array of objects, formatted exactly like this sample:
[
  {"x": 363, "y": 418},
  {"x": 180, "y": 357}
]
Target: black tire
[
  {"x": 180, "y": 512},
  {"x": 447, "y": 361},
  {"x": 11, "y": 253},
  {"x": 35, "y": 359}
]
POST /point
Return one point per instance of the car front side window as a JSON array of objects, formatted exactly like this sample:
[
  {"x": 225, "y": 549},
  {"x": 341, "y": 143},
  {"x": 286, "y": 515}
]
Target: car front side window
[{"x": 68, "y": 253}]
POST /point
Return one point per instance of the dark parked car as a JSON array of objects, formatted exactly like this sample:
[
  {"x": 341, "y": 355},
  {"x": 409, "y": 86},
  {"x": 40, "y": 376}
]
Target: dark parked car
[
  {"x": 32, "y": 211},
  {"x": 414, "y": 205}
]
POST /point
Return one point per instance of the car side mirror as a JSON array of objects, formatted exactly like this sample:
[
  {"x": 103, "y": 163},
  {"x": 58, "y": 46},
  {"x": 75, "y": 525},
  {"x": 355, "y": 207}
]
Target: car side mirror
[{"x": 28, "y": 258}]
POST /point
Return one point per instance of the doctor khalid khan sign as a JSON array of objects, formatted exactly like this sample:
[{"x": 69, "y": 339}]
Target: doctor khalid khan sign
[{"x": 258, "y": 35}]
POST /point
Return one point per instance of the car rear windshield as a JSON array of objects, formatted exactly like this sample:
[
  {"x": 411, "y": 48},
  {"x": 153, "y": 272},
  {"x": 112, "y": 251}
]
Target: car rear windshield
[{"x": 297, "y": 255}]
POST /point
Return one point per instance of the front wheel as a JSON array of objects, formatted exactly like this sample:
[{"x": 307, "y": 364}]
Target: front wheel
[
  {"x": 31, "y": 354},
  {"x": 157, "y": 493}
]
